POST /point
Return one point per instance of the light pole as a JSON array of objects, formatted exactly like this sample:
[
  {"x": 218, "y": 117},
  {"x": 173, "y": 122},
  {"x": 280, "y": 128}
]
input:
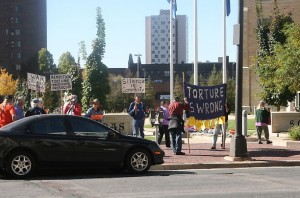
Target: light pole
[{"x": 138, "y": 65}]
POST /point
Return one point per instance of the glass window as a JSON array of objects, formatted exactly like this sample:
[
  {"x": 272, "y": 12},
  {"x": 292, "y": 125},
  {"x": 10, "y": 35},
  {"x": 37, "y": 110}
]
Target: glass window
[
  {"x": 18, "y": 32},
  {"x": 18, "y": 67},
  {"x": 50, "y": 125},
  {"x": 86, "y": 127}
]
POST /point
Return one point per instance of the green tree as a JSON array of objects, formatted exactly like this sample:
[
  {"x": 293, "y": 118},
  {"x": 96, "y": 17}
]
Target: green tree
[
  {"x": 215, "y": 77},
  {"x": 116, "y": 100},
  {"x": 96, "y": 84},
  {"x": 201, "y": 80},
  {"x": 46, "y": 62},
  {"x": 67, "y": 65},
  {"x": 149, "y": 93},
  {"x": 269, "y": 34},
  {"x": 178, "y": 88}
]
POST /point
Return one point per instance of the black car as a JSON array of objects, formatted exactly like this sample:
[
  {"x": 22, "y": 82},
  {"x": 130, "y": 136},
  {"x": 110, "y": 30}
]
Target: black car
[{"x": 47, "y": 141}]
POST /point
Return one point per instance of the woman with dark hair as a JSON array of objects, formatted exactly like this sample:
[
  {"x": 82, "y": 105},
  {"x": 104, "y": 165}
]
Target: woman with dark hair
[
  {"x": 262, "y": 118},
  {"x": 95, "y": 112}
]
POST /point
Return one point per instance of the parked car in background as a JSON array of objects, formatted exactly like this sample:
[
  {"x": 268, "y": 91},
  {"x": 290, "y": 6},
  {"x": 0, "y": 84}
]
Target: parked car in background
[{"x": 53, "y": 140}]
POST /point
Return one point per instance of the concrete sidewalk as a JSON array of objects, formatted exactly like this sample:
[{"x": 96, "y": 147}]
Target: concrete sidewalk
[{"x": 199, "y": 155}]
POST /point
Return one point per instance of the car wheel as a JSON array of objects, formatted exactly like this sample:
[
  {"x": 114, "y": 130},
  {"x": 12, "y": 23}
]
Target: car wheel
[
  {"x": 138, "y": 161},
  {"x": 20, "y": 165}
]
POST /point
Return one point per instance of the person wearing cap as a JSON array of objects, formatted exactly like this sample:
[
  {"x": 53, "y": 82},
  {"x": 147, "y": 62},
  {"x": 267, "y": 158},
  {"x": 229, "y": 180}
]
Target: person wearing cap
[
  {"x": 72, "y": 107},
  {"x": 19, "y": 108},
  {"x": 7, "y": 111},
  {"x": 176, "y": 123},
  {"x": 35, "y": 109},
  {"x": 262, "y": 119},
  {"x": 95, "y": 112}
]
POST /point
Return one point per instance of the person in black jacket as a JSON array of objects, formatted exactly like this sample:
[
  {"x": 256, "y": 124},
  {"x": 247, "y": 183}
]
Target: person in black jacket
[{"x": 35, "y": 109}]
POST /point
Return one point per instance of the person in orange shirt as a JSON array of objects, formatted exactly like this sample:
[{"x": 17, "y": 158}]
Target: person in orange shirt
[
  {"x": 7, "y": 111},
  {"x": 95, "y": 112}
]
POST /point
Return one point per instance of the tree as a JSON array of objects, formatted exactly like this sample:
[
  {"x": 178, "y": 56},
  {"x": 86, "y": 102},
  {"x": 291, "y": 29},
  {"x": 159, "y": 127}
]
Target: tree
[
  {"x": 149, "y": 93},
  {"x": 46, "y": 62},
  {"x": 269, "y": 35},
  {"x": 96, "y": 84},
  {"x": 201, "y": 80},
  {"x": 178, "y": 88},
  {"x": 215, "y": 77},
  {"x": 7, "y": 83},
  {"x": 67, "y": 65}
]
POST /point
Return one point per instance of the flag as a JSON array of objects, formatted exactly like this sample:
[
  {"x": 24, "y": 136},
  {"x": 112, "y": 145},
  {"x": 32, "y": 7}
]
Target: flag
[
  {"x": 174, "y": 7},
  {"x": 227, "y": 7}
]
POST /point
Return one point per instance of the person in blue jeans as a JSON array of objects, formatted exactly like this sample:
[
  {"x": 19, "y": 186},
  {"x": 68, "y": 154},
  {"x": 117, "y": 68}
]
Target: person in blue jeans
[{"x": 137, "y": 111}]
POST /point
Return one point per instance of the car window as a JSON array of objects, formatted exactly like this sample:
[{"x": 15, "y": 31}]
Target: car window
[
  {"x": 50, "y": 125},
  {"x": 86, "y": 127}
]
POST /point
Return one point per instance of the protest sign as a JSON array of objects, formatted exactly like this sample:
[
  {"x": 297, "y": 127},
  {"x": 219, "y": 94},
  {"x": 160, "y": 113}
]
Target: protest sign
[
  {"x": 36, "y": 82},
  {"x": 133, "y": 85},
  {"x": 61, "y": 82},
  {"x": 206, "y": 102}
]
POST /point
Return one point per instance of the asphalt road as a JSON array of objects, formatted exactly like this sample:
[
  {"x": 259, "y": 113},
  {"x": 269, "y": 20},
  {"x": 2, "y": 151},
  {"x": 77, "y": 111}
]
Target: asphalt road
[{"x": 213, "y": 183}]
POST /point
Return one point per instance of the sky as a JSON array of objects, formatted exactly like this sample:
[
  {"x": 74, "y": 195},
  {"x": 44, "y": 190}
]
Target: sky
[{"x": 72, "y": 21}]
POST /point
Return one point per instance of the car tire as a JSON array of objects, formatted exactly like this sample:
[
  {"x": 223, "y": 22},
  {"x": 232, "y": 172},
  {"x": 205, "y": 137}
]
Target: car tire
[
  {"x": 20, "y": 165},
  {"x": 138, "y": 161}
]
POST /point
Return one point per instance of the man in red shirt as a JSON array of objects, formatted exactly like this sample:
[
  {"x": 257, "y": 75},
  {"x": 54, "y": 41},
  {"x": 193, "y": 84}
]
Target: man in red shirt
[
  {"x": 176, "y": 124},
  {"x": 7, "y": 111}
]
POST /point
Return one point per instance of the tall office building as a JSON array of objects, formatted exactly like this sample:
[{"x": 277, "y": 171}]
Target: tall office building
[
  {"x": 250, "y": 85},
  {"x": 158, "y": 38},
  {"x": 23, "y": 32}
]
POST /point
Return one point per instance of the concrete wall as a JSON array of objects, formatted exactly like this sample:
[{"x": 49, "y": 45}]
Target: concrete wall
[
  {"x": 119, "y": 121},
  {"x": 282, "y": 121}
]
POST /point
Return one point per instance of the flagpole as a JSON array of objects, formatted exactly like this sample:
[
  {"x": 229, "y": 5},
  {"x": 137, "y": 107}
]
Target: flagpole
[
  {"x": 171, "y": 52},
  {"x": 224, "y": 42},
  {"x": 196, "y": 45}
]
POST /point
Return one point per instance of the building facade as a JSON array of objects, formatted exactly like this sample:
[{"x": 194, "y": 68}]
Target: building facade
[
  {"x": 250, "y": 85},
  {"x": 158, "y": 38},
  {"x": 23, "y": 32}
]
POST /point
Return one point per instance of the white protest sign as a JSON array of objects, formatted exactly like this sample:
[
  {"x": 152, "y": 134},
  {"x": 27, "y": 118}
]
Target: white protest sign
[
  {"x": 133, "y": 85},
  {"x": 61, "y": 82},
  {"x": 36, "y": 82}
]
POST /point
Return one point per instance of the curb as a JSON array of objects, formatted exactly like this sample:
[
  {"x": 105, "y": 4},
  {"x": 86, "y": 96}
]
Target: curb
[{"x": 245, "y": 164}]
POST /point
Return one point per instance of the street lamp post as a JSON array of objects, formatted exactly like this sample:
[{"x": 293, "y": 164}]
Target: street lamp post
[
  {"x": 238, "y": 147},
  {"x": 138, "y": 65}
]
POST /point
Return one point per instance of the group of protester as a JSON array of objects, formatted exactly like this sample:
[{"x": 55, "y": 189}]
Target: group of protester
[
  {"x": 170, "y": 118},
  {"x": 170, "y": 121},
  {"x": 10, "y": 112}
]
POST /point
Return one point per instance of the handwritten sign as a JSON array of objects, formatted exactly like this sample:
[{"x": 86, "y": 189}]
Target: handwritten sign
[
  {"x": 61, "y": 82},
  {"x": 36, "y": 82},
  {"x": 133, "y": 85},
  {"x": 206, "y": 102}
]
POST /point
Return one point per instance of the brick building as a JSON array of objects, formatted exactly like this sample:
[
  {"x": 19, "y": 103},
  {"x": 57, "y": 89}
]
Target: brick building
[{"x": 23, "y": 32}]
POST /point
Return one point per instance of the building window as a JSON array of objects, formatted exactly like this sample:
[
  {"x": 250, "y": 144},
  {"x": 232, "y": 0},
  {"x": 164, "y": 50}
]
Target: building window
[
  {"x": 18, "y": 32},
  {"x": 18, "y": 67},
  {"x": 18, "y": 44},
  {"x": 12, "y": 44},
  {"x": 6, "y": 31},
  {"x": 19, "y": 55},
  {"x": 166, "y": 73}
]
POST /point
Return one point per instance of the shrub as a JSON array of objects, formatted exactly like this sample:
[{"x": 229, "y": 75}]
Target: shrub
[{"x": 294, "y": 133}]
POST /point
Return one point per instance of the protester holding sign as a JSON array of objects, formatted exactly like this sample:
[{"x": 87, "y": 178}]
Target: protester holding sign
[
  {"x": 176, "y": 124},
  {"x": 218, "y": 128},
  {"x": 95, "y": 112},
  {"x": 72, "y": 107}
]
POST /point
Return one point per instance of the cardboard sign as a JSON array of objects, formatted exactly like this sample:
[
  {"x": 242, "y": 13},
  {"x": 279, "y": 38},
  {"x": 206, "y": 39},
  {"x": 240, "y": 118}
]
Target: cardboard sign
[
  {"x": 61, "y": 82},
  {"x": 36, "y": 82}
]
